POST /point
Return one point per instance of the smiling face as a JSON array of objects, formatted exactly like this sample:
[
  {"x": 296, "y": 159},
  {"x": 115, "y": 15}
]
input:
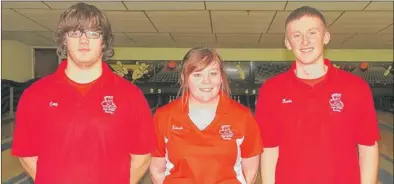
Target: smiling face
[
  {"x": 204, "y": 85},
  {"x": 203, "y": 76},
  {"x": 306, "y": 38}
]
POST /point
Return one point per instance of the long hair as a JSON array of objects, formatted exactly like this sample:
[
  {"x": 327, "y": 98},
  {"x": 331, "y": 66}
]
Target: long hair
[{"x": 197, "y": 59}]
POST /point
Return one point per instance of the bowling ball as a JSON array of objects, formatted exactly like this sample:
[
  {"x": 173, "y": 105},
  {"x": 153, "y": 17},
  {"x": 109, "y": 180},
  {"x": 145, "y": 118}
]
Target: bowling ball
[
  {"x": 364, "y": 66},
  {"x": 171, "y": 64}
]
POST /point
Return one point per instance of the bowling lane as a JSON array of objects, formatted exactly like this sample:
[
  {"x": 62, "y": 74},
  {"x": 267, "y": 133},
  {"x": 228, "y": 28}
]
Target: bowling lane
[{"x": 386, "y": 119}]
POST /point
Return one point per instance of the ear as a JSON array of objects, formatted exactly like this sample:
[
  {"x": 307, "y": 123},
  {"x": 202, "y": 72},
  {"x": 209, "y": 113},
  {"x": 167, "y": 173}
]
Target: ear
[
  {"x": 287, "y": 44},
  {"x": 327, "y": 37}
]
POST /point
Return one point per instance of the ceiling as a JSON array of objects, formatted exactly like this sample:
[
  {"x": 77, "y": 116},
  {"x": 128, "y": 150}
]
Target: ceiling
[{"x": 231, "y": 24}]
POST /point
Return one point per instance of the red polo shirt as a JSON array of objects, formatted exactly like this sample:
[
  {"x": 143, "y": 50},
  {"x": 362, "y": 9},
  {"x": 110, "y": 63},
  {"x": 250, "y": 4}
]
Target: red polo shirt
[
  {"x": 83, "y": 138},
  {"x": 317, "y": 127}
]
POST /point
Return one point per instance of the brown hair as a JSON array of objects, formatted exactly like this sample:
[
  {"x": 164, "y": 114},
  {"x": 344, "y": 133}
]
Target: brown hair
[
  {"x": 197, "y": 59},
  {"x": 82, "y": 16},
  {"x": 305, "y": 11}
]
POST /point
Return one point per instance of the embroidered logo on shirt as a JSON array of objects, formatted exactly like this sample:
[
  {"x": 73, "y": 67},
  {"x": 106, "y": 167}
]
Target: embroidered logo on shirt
[
  {"x": 225, "y": 132},
  {"x": 108, "y": 105},
  {"x": 53, "y": 104},
  {"x": 177, "y": 127},
  {"x": 336, "y": 103},
  {"x": 286, "y": 101}
]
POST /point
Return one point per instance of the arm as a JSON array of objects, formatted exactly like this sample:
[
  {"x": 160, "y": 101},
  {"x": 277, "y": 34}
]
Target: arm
[
  {"x": 269, "y": 158},
  {"x": 30, "y": 165},
  {"x": 369, "y": 161},
  {"x": 251, "y": 149},
  {"x": 158, "y": 165},
  {"x": 367, "y": 135},
  {"x": 25, "y": 143},
  {"x": 139, "y": 165},
  {"x": 265, "y": 118},
  {"x": 250, "y": 167},
  {"x": 157, "y": 169},
  {"x": 142, "y": 140}
]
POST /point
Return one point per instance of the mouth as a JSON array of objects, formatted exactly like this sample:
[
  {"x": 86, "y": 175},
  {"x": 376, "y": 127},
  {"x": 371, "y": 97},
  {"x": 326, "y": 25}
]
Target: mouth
[
  {"x": 83, "y": 50},
  {"x": 206, "y": 89},
  {"x": 306, "y": 50}
]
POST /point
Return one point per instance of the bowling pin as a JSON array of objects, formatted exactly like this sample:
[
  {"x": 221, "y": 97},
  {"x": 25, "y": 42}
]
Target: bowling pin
[{"x": 239, "y": 100}]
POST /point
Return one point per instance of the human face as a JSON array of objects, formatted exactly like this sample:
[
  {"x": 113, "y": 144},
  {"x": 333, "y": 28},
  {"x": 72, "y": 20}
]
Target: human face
[
  {"x": 84, "y": 48},
  {"x": 306, "y": 37},
  {"x": 204, "y": 85}
]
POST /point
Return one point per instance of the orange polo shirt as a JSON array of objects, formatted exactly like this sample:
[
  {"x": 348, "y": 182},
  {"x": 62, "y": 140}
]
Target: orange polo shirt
[{"x": 212, "y": 155}]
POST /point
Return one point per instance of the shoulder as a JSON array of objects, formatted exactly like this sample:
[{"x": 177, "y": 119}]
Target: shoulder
[
  {"x": 276, "y": 81},
  {"x": 357, "y": 82},
  {"x": 39, "y": 86},
  {"x": 123, "y": 84},
  {"x": 168, "y": 108},
  {"x": 237, "y": 108},
  {"x": 240, "y": 112}
]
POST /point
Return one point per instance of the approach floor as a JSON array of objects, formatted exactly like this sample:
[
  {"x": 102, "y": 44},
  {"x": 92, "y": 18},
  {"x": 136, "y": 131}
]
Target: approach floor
[{"x": 12, "y": 171}]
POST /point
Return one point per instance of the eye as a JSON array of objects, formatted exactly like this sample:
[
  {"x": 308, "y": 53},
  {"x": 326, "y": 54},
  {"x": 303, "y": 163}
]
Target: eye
[
  {"x": 197, "y": 75},
  {"x": 214, "y": 73},
  {"x": 92, "y": 33},
  {"x": 75, "y": 32}
]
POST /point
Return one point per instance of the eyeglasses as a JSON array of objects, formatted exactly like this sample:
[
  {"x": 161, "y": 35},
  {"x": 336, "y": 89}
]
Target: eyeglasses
[{"x": 88, "y": 34}]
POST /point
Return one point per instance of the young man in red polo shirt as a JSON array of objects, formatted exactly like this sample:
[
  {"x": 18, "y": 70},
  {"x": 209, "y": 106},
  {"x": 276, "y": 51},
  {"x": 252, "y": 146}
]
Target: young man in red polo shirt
[
  {"x": 84, "y": 124},
  {"x": 318, "y": 122}
]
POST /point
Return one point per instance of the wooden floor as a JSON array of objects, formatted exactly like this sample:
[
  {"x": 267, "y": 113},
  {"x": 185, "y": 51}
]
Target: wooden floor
[{"x": 12, "y": 172}]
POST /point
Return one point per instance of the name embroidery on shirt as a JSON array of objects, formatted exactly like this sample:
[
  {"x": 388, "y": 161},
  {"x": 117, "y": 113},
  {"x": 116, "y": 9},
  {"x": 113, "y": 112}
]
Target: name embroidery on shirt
[
  {"x": 336, "y": 103},
  {"x": 108, "y": 105},
  {"x": 225, "y": 132}
]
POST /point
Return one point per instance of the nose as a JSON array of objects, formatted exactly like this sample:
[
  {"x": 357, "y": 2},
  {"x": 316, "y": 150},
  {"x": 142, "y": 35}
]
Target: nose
[
  {"x": 83, "y": 38},
  {"x": 305, "y": 40},
  {"x": 205, "y": 79}
]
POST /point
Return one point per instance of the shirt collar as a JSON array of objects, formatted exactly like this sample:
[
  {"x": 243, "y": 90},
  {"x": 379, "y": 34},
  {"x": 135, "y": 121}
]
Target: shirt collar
[
  {"x": 330, "y": 70},
  {"x": 105, "y": 77}
]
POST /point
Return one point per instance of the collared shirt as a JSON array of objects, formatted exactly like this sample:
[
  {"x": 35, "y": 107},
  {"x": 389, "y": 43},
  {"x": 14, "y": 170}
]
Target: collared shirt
[
  {"x": 83, "y": 139},
  {"x": 318, "y": 127},
  {"x": 212, "y": 155}
]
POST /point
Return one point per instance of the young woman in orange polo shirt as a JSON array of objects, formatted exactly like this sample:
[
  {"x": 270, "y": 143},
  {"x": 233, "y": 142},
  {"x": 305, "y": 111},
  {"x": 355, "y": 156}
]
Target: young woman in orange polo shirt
[{"x": 205, "y": 137}]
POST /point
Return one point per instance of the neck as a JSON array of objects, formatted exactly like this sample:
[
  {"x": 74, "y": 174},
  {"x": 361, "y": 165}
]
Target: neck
[
  {"x": 83, "y": 74},
  {"x": 210, "y": 105},
  {"x": 311, "y": 71}
]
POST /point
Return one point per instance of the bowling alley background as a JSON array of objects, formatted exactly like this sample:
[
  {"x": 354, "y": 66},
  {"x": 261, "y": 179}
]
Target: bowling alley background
[{"x": 159, "y": 79}]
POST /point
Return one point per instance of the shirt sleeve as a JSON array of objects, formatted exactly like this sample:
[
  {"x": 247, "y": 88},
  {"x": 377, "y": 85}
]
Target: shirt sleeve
[
  {"x": 160, "y": 149},
  {"x": 265, "y": 117},
  {"x": 252, "y": 144},
  {"x": 25, "y": 141},
  {"x": 142, "y": 134},
  {"x": 368, "y": 128}
]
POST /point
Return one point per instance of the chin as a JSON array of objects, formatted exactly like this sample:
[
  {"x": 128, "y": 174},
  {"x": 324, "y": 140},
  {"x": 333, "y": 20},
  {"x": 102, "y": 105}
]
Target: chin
[
  {"x": 308, "y": 59},
  {"x": 205, "y": 98}
]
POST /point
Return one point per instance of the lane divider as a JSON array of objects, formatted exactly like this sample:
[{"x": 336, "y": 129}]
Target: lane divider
[
  {"x": 6, "y": 143},
  {"x": 22, "y": 178}
]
